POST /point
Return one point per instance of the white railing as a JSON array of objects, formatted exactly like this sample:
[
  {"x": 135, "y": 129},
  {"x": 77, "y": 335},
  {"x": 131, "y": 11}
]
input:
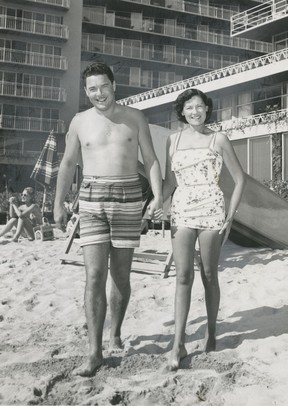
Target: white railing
[
  {"x": 178, "y": 31},
  {"x": 215, "y": 75},
  {"x": 277, "y": 118},
  {"x": 193, "y": 8},
  {"x": 31, "y": 124},
  {"x": 32, "y": 91},
  {"x": 264, "y": 13},
  {"x": 33, "y": 26},
  {"x": 33, "y": 59},
  {"x": 178, "y": 56},
  {"x": 60, "y": 3}
]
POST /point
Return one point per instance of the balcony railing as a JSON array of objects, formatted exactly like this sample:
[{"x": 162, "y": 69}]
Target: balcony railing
[
  {"x": 32, "y": 91},
  {"x": 59, "y": 3},
  {"x": 275, "y": 121},
  {"x": 33, "y": 27},
  {"x": 229, "y": 71},
  {"x": 31, "y": 124},
  {"x": 263, "y": 13},
  {"x": 182, "y": 57},
  {"x": 188, "y": 7},
  {"x": 178, "y": 31},
  {"x": 33, "y": 59}
]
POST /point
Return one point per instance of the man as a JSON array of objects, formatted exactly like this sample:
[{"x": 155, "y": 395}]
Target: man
[{"x": 110, "y": 203}]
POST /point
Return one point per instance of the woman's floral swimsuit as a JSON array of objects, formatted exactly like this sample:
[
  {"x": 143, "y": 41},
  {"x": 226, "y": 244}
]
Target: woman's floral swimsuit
[{"x": 198, "y": 201}]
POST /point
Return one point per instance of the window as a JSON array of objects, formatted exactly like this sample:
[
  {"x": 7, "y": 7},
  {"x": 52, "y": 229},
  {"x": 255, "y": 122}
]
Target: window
[
  {"x": 240, "y": 148},
  {"x": 244, "y": 107},
  {"x": 147, "y": 79},
  {"x": 260, "y": 158},
  {"x": 134, "y": 78}
]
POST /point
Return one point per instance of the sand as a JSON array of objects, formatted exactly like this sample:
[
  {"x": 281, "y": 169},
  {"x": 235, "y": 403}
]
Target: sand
[{"x": 44, "y": 336}]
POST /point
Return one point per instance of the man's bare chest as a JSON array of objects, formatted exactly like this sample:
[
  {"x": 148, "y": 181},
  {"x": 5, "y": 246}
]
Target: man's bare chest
[{"x": 106, "y": 134}]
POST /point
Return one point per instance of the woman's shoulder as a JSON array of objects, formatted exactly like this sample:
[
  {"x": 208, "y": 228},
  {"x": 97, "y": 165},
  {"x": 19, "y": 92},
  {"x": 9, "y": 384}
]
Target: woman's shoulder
[{"x": 221, "y": 138}]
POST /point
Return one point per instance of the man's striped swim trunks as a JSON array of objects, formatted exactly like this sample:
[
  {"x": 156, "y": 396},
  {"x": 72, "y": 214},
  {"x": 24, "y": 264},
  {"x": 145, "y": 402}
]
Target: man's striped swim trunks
[{"x": 110, "y": 210}]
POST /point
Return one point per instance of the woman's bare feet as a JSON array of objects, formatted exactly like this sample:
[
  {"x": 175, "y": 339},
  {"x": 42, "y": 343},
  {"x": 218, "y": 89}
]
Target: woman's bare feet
[
  {"x": 89, "y": 367},
  {"x": 115, "y": 345},
  {"x": 209, "y": 342},
  {"x": 176, "y": 356}
]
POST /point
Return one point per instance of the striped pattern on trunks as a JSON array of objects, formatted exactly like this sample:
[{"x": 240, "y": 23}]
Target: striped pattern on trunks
[{"x": 111, "y": 210}]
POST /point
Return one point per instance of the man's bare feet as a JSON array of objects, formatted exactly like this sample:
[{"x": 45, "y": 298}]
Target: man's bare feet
[
  {"x": 176, "y": 356},
  {"x": 115, "y": 345},
  {"x": 89, "y": 367}
]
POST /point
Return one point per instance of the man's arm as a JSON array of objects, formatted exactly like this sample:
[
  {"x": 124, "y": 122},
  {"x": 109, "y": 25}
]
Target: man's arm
[
  {"x": 66, "y": 171},
  {"x": 151, "y": 163}
]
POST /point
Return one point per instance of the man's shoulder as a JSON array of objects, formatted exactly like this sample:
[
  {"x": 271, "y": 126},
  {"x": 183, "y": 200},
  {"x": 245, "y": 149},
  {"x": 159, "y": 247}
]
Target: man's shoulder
[
  {"x": 82, "y": 114},
  {"x": 129, "y": 111}
]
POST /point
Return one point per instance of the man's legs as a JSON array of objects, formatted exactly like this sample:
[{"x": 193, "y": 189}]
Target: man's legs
[
  {"x": 96, "y": 265},
  {"x": 120, "y": 267}
]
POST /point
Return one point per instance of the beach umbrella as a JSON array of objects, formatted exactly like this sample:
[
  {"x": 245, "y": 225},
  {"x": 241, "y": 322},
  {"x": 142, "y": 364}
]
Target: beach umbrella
[{"x": 46, "y": 168}]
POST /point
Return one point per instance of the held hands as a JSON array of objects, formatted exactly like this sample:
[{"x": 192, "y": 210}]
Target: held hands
[{"x": 155, "y": 210}]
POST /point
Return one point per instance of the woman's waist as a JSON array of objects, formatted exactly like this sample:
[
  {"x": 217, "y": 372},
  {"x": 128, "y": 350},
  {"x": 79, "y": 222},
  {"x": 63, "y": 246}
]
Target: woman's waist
[{"x": 186, "y": 184}]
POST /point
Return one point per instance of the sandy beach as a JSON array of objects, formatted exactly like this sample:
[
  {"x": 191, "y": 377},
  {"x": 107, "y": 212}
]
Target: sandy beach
[{"x": 44, "y": 335}]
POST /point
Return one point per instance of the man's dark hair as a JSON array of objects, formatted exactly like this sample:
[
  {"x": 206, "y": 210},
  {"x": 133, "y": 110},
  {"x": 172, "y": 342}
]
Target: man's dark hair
[
  {"x": 187, "y": 95},
  {"x": 98, "y": 68}
]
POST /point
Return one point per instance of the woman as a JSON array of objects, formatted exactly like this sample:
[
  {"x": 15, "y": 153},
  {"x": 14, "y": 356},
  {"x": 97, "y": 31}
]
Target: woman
[
  {"x": 24, "y": 216},
  {"x": 194, "y": 160}
]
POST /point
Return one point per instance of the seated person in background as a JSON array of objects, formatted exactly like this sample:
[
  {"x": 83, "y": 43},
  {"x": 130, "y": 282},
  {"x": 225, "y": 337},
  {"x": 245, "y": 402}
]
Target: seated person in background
[{"x": 24, "y": 216}]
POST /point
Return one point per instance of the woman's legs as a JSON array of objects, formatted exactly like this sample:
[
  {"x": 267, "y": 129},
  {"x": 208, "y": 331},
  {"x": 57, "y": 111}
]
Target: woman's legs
[
  {"x": 24, "y": 225},
  {"x": 183, "y": 244},
  {"x": 11, "y": 223},
  {"x": 210, "y": 247}
]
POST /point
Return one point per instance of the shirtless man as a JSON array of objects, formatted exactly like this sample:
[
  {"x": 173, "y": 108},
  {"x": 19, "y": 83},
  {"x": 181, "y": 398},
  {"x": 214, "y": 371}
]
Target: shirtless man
[{"x": 110, "y": 203}]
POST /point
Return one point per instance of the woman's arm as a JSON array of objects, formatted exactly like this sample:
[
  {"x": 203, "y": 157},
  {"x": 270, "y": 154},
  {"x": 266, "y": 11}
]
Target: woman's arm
[
  {"x": 235, "y": 170},
  {"x": 12, "y": 202},
  {"x": 170, "y": 182},
  {"x": 28, "y": 210}
]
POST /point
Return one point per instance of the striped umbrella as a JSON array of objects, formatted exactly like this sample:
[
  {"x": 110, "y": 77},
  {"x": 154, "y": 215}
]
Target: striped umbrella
[{"x": 47, "y": 165}]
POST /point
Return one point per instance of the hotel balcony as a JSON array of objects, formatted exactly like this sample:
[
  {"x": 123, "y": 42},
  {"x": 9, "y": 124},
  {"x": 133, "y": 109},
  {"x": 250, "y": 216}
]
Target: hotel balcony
[
  {"x": 15, "y": 56},
  {"x": 18, "y": 150},
  {"x": 8, "y": 23},
  {"x": 32, "y": 124},
  {"x": 182, "y": 31},
  {"x": 253, "y": 23},
  {"x": 14, "y": 89},
  {"x": 55, "y": 3},
  {"x": 243, "y": 72},
  {"x": 188, "y": 8},
  {"x": 256, "y": 125},
  {"x": 137, "y": 50}
]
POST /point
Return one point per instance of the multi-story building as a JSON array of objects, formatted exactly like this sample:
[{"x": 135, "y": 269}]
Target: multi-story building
[
  {"x": 40, "y": 43},
  {"x": 156, "y": 48},
  {"x": 151, "y": 43},
  {"x": 250, "y": 96}
]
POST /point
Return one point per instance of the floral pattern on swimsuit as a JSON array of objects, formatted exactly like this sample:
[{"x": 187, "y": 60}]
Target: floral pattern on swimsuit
[{"x": 198, "y": 201}]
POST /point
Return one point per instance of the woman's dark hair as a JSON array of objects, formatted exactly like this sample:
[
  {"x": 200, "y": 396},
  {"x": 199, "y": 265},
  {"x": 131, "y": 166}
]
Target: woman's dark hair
[
  {"x": 98, "y": 68},
  {"x": 187, "y": 95},
  {"x": 31, "y": 193}
]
